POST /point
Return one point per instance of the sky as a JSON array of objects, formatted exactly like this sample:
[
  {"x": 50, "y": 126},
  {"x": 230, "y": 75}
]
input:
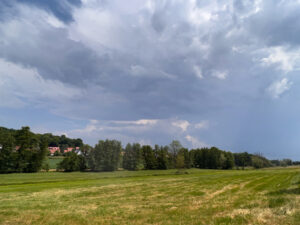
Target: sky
[{"x": 206, "y": 73}]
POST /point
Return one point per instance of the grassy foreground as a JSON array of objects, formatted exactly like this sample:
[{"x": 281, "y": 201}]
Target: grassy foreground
[
  {"x": 53, "y": 161},
  {"x": 270, "y": 196}
]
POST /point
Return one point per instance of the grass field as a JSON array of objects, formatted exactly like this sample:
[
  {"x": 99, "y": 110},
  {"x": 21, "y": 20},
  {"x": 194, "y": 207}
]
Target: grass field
[
  {"x": 53, "y": 161},
  {"x": 270, "y": 196}
]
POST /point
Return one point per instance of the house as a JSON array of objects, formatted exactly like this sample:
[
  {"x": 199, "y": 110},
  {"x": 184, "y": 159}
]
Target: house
[
  {"x": 16, "y": 148},
  {"x": 53, "y": 150},
  {"x": 69, "y": 149}
]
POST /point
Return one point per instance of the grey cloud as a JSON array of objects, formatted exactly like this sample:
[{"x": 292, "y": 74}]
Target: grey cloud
[
  {"x": 277, "y": 23},
  {"x": 167, "y": 49},
  {"x": 158, "y": 22},
  {"x": 53, "y": 55},
  {"x": 62, "y": 9},
  {"x": 131, "y": 63}
]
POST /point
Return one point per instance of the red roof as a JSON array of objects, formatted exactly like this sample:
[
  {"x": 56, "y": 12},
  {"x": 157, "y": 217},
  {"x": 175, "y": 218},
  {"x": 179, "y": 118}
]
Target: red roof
[
  {"x": 53, "y": 149},
  {"x": 68, "y": 150}
]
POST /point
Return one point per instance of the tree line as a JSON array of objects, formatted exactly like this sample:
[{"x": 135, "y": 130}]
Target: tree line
[
  {"x": 62, "y": 141},
  {"x": 108, "y": 155},
  {"x": 23, "y": 151}
]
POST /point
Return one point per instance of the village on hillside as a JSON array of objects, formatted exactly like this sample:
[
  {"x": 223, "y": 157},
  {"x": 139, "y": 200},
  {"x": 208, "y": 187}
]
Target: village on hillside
[
  {"x": 53, "y": 150},
  {"x": 56, "y": 150}
]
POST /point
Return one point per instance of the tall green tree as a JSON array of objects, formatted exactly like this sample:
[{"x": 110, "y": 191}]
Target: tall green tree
[
  {"x": 133, "y": 157},
  {"x": 8, "y": 156},
  {"x": 259, "y": 161},
  {"x": 242, "y": 159},
  {"x": 85, "y": 150},
  {"x": 187, "y": 159},
  {"x": 105, "y": 156},
  {"x": 161, "y": 155},
  {"x": 30, "y": 152},
  {"x": 228, "y": 163},
  {"x": 173, "y": 149},
  {"x": 72, "y": 162},
  {"x": 180, "y": 161},
  {"x": 149, "y": 158}
]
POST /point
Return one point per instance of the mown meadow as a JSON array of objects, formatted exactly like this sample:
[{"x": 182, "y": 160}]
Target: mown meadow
[
  {"x": 266, "y": 196},
  {"x": 53, "y": 161}
]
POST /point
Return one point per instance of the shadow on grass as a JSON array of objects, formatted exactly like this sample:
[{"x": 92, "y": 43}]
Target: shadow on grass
[{"x": 295, "y": 191}]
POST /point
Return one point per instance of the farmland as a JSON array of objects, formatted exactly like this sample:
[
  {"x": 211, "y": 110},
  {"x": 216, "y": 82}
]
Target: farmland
[{"x": 267, "y": 196}]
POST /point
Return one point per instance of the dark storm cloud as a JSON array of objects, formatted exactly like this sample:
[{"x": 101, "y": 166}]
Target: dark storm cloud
[
  {"x": 170, "y": 46},
  {"x": 54, "y": 56},
  {"x": 62, "y": 9},
  {"x": 153, "y": 67}
]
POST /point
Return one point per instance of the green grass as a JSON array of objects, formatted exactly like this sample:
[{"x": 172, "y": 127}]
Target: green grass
[
  {"x": 269, "y": 196},
  {"x": 53, "y": 161}
]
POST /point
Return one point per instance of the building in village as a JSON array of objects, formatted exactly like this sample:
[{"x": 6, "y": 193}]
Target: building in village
[{"x": 69, "y": 149}]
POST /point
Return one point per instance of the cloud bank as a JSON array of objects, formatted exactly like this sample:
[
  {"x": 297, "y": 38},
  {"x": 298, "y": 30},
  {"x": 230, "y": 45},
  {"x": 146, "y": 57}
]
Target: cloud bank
[{"x": 207, "y": 73}]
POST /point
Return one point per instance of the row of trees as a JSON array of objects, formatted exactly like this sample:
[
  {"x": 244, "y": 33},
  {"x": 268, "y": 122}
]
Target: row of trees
[
  {"x": 212, "y": 158},
  {"x": 24, "y": 151},
  {"x": 138, "y": 157},
  {"x": 255, "y": 160},
  {"x": 108, "y": 155},
  {"x": 284, "y": 162}
]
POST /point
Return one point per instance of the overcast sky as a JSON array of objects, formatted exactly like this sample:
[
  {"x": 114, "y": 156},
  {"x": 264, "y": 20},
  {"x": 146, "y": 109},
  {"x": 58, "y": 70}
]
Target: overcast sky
[{"x": 207, "y": 73}]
